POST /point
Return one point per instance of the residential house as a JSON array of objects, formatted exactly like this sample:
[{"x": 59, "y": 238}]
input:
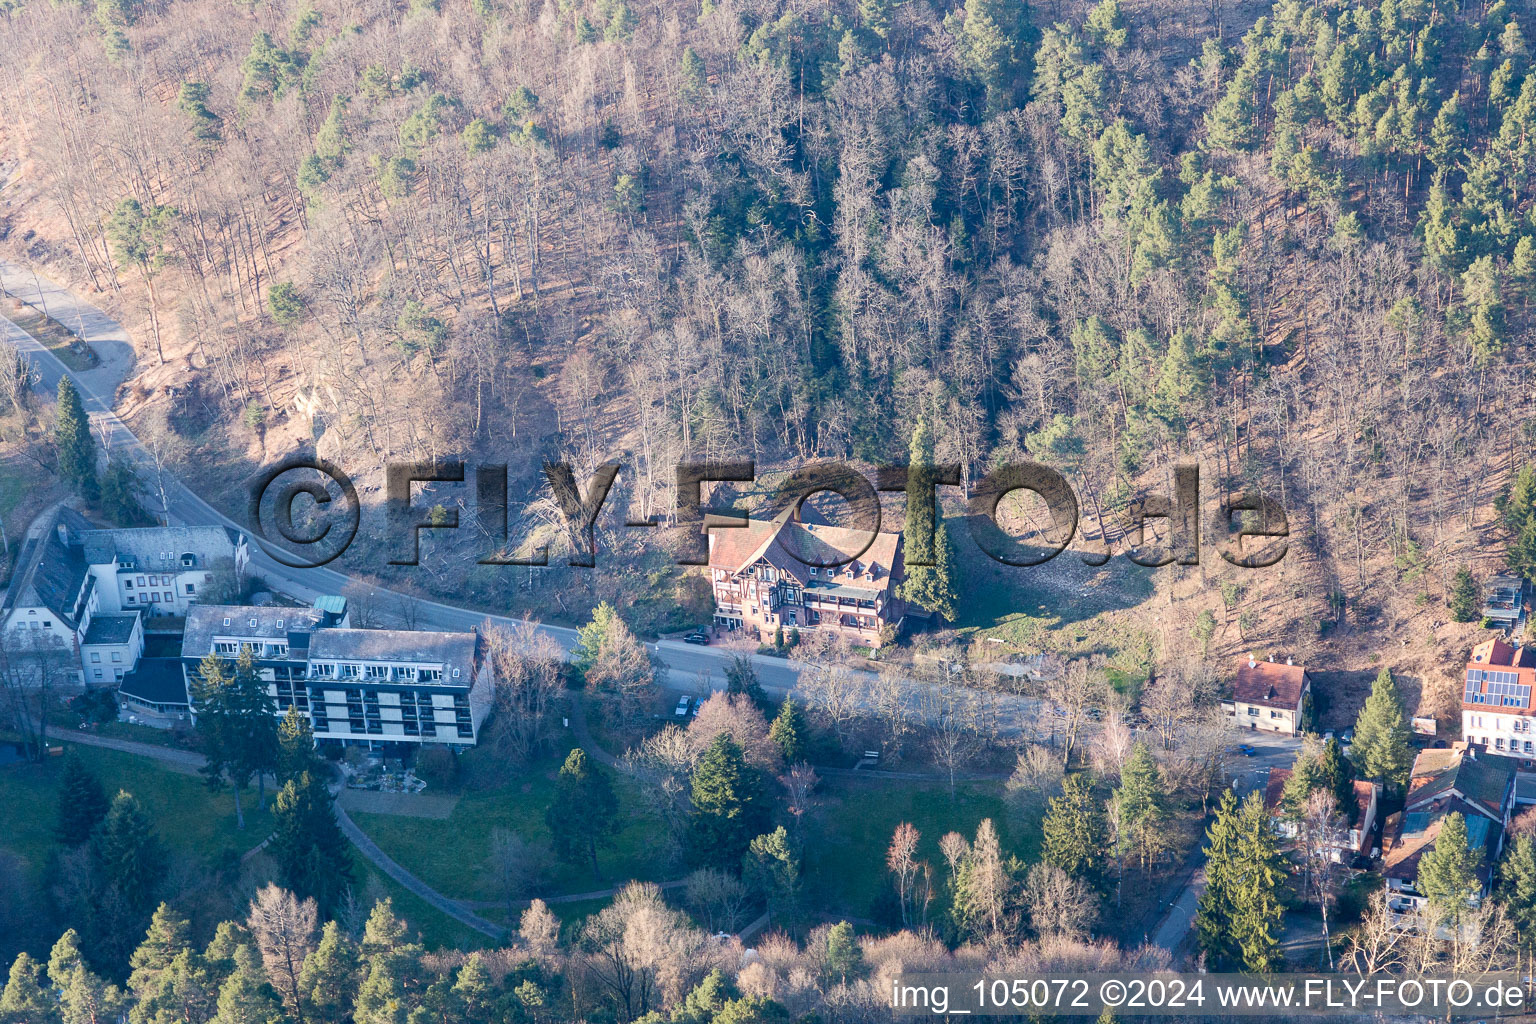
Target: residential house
[
  {"x": 387, "y": 689},
  {"x": 1268, "y": 697},
  {"x": 1354, "y": 840},
  {"x": 1496, "y": 710},
  {"x": 1446, "y": 781},
  {"x": 781, "y": 575},
  {"x": 85, "y": 591}
]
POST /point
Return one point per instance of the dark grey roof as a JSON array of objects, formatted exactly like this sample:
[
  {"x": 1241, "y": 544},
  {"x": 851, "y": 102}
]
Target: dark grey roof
[
  {"x": 206, "y": 621},
  {"x": 110, "y": 629},
  {"x": 49, "y": 568},
  {"x": 401, "y": 646},
  {"x": 161, "y": 547},
  {"x": 156, "y": 681}
]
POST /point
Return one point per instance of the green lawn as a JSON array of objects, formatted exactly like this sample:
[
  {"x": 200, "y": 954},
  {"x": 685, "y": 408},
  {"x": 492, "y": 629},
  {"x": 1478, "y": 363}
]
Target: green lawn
[
  {"x": 186, "y": 813},
  {"x": 450, "y": 854},
  {"x": 851, "y": 829}
]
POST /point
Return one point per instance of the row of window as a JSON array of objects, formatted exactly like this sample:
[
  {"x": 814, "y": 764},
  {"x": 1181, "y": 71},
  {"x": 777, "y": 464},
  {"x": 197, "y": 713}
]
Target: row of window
[
  {"x": 1511, "y": 723},
  {"x": 1514, "y": 746}
]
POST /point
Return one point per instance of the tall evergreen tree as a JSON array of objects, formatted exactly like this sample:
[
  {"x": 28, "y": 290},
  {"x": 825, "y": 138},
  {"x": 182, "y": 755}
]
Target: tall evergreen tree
[
  {"x": 329, "y": 979},
  {"x": 314, "y": 859},
  {"x": 1257, "y": 910},
  {"x": 1338, "y": 775},
  {"x": 82, "y": 803},
  {"x": 1074, "y": 834},
  {"x": 295, "y": 747},
  {"x": 1141, "y": 800},
  {"x": 247, "y": 997},
  {"x": 729, "y": 808},
  {"x": 1213, "y": 912},
  {"x": 1463, "y": 600},
  {"x": 1520, "y": 517},
  {"x": 1381, "y": 749},
  {"x": 788, "y": 731},
  {"x": 25, "y": 1000},
  {"x": 128, "y": 852},
  {"x": 75, "y": 443},
  {"x": 1517, "y": 888},
  {"x": 929, "y": 587},
  {"x": 1448, "y": 872},
  {"x": 584, "y": 813}
]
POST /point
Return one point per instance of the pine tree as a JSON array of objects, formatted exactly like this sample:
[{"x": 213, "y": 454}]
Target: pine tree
[
  {"x": 169, "y": 936},
  {"x": 773, "y": 871},
  {"x": 82, "y": 803},
  {"x": 1306, "y": 778},
  {"x": 76, "y": 444},
  {"x": 329, "y": 979},
  {"x": 1257, "y": 910},
  {"x": 128, "y": 853},
  {"x": 728, "y": 804},
  {"x": 1074, "y": 833},
  {"x": 1463, "y": 596},
  {"x": 843, "y": 957},
  {"x": 25, "y": 1001},
  {"x": 246, "y": 996},
  {"x": 591, "y": 638},
  {"x": 314, "y": 859},
  {"x": 1381, "y": 749},
  {"x": 120, "y": 487},
  {"x": 929, "y": 587},
  {"x": 788, "y": 732},
  {"x": 1448, "y": 872},
  {"x": 584, "y": 813},
  {"x": 1141, "y": 801}
]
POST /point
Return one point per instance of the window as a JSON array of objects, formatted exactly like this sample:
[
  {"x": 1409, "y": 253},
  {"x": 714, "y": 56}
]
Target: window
[
  {"x": 96, "y": 673},
  {"x": 117, "y": 656},
  {"x": 47, "y": 623},
  {"x": 279, "y": 623},
  {"x": 1253, "y": 712},
  {"x": 455, "y": 673},
  {"x": 128, "y": 584},
  {"x": 1498, "y": 744},
  {"x": 253, "y": 623},
  {"x": 141, "y": 583},
  {"x": 813, "y": 570},
  {"x": 188, "y": 561},
  {"x": 226, "y": 620},
  {"x": 95, "y": 657},
  {"x": 191, "y": 589}
]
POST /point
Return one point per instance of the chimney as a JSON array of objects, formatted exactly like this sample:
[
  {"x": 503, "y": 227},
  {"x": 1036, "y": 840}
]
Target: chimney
[
  {"x": 1251, "y": 662},
  {"x": 63, "y": 534},
  {"x": 1288, "y": 661}
]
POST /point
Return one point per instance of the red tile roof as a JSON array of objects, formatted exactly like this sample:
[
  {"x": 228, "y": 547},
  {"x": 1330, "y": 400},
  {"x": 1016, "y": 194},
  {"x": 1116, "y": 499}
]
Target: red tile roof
[
  {"x": 1278, "y": 777},
  {"x": 1269, "y": 685},
  {"x": 1497, "y": 654}
]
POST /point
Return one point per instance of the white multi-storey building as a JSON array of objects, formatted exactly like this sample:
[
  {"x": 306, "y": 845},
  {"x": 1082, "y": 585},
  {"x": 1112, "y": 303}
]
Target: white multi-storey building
[{"x": 368, "y": 687}]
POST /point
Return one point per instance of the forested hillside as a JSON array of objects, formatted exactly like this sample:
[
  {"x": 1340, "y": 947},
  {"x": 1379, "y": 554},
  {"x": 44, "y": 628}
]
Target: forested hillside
[{"x": 1295, "y": 243}]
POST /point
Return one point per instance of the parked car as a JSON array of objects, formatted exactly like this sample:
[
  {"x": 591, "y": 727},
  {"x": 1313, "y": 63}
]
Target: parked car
[
  {"x": 682, "y": 706},
  {"x": 696, "y": 638},
  {"x": 1246, "y": 750}
]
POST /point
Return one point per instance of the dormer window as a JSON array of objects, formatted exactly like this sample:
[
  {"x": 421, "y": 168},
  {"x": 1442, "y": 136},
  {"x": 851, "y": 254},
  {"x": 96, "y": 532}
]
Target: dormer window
[
  {"x": 226, "y": 620},
  {"x": 279, "y": 623},
  {"x": 126, "y": 563},
  {"x": 189, "y": 560},
  {"x": 813, "y": 570},
  {"x": 253, "y": 622}
]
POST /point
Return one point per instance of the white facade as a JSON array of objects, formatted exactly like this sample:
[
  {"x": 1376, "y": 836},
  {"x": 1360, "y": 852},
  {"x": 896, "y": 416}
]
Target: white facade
[{"x": 1498, "y": 732}]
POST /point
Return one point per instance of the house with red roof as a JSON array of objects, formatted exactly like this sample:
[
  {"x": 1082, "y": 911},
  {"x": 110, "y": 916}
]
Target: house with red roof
[
  {"x": 793, "y": 575},
  {"x": 1267, "y": 696},
  {"x": 1496, "y": 712}
]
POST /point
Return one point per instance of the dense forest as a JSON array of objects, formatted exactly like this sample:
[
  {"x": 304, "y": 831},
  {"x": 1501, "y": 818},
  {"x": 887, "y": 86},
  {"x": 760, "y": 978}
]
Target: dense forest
[{"x": 1292, "y": 243}]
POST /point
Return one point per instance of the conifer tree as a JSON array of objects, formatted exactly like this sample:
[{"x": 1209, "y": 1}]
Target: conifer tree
[
  {"x": 314, "y": 859},
  {"x": 1338, "y": 775},
  {"x": 25, "y": 1000},
  {"x": 1213, "y": 912},
  {"x": 728, "y": 804},
  {"x": 82, "y": 803},
  {"x": 788, "y": 732},
  {"x": 329, "y": 980},
  {"x": 75, "y": 443},
  {"x": 1141, "y": 800},
  {"x": 1448, "y": 872},
  {"x": 128, "y": 852},
  {"x": 1517, "y": 888},
  {"x": 584, "y": 813},
  {"x": 1257, "y": 910},
  {"x": 1463, "y": 596},
  {"x": 295, "y": 747},
  {"x": 929, "y": 587},
  {"x": 1520, "y": 517},
  {"x": 247, "y": 997},
  {"x": 1381, "y": 749},
  {"x": 1074, "y": 834}
]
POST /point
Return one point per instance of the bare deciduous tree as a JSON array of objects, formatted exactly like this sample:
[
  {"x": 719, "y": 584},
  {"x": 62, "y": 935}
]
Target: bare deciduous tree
[{"x": 284, "y": 928}]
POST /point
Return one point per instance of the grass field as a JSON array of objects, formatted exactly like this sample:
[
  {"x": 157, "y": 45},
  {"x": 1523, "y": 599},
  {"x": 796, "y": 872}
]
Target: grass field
[
  {"x": 187, "y": 815},
  {"x": 437, "y": 929},
  {"x": 450, "y": 854},
  {"x": 851, "y": 829}
]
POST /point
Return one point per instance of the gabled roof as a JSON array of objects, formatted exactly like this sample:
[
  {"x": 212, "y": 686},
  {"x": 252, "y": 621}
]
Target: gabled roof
[
  {"x": 161, "y": 547},
  {"x": 49, "y": 567},
  {"x": 1268, "y": 684},
  {"x": 1458, "y": 774},
  {"x": 1275, "y": 788},
  {"x": 795, "y": 547},
  {"x": 1413, "y": 834}
]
